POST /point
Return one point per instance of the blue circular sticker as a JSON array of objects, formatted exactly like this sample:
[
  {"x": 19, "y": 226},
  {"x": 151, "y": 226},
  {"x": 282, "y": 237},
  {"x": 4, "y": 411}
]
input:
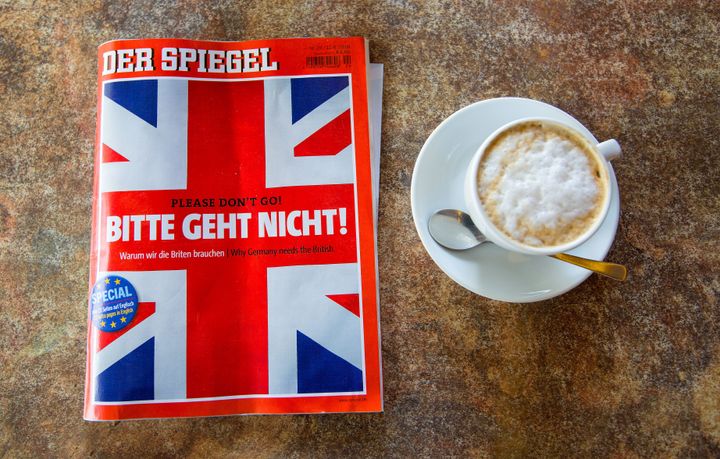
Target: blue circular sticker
[{"x": 113, "y": 303}]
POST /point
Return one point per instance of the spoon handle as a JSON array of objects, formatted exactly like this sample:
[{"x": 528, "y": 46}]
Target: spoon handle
[{"x": 612, "y": 270}]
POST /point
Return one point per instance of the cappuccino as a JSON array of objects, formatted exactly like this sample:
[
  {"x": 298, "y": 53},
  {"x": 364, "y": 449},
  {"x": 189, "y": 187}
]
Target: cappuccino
[{"x": 541, "y": 184}]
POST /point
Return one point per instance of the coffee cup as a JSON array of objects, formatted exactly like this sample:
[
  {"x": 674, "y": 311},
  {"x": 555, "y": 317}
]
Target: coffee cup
[{"x": 538, "y": 186}]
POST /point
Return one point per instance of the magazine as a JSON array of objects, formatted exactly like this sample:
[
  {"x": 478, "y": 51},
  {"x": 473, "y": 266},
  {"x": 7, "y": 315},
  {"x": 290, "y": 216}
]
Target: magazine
[{"x": 233, "y": 265}]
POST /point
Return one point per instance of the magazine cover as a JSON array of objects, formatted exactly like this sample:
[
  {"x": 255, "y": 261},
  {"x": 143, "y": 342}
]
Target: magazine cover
[{"x": 233, "y": 262}]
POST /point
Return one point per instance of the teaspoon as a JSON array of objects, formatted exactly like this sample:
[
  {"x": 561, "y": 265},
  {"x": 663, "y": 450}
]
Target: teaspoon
[{"x": 455, "y": 230}]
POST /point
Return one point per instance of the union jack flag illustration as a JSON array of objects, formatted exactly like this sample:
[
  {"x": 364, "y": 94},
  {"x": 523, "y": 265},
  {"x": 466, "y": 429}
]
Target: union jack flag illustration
[{"x": 232, "y": 327}]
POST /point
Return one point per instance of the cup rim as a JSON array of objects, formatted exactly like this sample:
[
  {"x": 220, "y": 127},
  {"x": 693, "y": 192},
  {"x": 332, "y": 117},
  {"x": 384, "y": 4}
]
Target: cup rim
[{"x": 489, "y": 228}]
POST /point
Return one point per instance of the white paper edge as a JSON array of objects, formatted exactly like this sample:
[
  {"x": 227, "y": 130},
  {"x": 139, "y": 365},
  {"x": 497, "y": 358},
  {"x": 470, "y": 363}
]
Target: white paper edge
[{"x": 375, "y": 92}]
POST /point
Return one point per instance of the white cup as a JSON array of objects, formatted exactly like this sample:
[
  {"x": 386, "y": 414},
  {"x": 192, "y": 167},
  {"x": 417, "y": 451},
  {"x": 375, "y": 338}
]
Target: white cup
[{"x": 603, "y": 152}]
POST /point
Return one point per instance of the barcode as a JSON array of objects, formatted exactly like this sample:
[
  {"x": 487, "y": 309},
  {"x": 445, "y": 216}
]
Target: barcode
[{"x": 327, "y": 61}]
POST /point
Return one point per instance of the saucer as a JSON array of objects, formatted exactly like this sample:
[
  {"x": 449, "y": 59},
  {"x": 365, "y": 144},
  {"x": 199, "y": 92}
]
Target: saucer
[{"x": 487, "y": 269}]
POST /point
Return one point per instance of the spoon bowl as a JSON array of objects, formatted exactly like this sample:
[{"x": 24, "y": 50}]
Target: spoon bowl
[{"x": 454, "y": 229}]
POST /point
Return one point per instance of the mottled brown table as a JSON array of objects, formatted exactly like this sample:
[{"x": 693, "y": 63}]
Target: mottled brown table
[{"x": 609, "y": 369}]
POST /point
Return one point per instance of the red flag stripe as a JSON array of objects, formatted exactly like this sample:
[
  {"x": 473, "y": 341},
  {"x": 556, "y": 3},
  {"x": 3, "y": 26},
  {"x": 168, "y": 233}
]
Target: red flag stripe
[{"x": 329, "y": 140}]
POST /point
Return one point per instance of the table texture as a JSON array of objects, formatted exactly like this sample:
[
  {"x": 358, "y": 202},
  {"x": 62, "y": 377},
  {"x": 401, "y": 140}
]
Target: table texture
[{"x": 607, "y": 370}]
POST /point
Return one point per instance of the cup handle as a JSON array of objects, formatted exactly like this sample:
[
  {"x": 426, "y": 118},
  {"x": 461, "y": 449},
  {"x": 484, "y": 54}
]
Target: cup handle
[{"x": 610, "y": 149}]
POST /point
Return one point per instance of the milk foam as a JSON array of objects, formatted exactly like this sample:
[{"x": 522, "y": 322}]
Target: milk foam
[{"x": 540, "y": 185}]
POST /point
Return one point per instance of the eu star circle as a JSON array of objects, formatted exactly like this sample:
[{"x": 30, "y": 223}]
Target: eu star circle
[{"x": 113, "y": 303}]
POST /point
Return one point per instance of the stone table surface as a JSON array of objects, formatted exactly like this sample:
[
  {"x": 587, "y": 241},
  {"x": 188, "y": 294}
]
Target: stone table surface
[{"x": 608, "y": 370}]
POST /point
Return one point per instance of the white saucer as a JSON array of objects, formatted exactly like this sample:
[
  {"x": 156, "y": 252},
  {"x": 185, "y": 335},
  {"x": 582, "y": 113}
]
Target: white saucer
[{"x": 488, "y": 270}]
